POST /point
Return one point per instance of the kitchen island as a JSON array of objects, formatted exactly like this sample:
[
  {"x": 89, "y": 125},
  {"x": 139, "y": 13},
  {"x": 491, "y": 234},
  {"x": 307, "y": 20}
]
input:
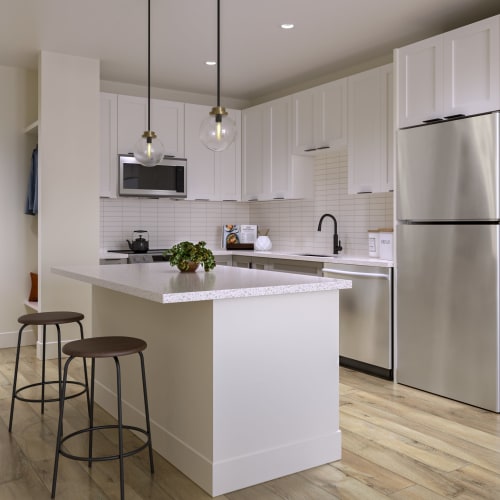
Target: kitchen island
[{"x": 242, "y": 366}]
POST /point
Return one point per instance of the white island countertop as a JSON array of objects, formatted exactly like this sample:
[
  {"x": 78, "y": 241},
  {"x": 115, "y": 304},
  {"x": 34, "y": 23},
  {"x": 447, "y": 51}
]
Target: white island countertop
[{"x": 160, "y": 282}]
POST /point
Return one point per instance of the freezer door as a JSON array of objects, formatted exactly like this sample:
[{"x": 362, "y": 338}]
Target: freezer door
[
  {"x": 447, "y": 292},
  {"x": 449, "y": 170}
]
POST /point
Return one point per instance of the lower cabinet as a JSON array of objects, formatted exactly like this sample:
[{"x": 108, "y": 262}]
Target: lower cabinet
[{"x": 279, "y": 265}]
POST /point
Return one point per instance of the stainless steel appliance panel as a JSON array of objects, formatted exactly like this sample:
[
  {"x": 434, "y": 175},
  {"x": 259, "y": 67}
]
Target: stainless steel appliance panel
[
  {"x": 448, "y": 170},
  {"x": 365, "y": 329},
  {"x": 447, "y": 317}
]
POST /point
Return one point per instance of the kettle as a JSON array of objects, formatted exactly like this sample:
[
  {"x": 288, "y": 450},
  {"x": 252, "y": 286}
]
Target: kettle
[{"x": 140, "y": 243}]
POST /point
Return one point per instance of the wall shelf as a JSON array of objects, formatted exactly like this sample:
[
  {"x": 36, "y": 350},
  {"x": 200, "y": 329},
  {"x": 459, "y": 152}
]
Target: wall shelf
[
  {"x": 32, "y": 128},
  {"x": 32, "y": 305}
]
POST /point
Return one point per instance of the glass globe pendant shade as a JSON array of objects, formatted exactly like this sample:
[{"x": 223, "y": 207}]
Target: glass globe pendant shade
[
  {"x": 149, "y": 150},
  {"x": 218, "y": 130}
]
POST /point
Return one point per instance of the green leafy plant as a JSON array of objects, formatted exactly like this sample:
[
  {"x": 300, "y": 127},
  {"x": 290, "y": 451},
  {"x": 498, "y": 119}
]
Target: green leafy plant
[{"x": 186, "y": 253}]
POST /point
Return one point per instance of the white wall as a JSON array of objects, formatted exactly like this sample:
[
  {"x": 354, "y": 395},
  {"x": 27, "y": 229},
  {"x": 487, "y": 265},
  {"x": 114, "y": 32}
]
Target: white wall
[
  {"x": 18, "y": 250},
  {"x": 68, "y": 178}
]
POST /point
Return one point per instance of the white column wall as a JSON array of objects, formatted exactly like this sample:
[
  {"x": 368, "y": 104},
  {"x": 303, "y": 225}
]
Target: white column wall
[{"x": 68, "y": 230}]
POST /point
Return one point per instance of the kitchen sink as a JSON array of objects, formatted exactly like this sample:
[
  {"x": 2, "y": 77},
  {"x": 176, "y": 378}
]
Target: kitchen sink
[{"x": 317, "y": 254}]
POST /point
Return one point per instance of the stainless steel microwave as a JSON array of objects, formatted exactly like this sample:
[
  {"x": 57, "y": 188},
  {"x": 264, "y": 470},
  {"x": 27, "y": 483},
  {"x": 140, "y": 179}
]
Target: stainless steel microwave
[{"x": 167, "y": 179}]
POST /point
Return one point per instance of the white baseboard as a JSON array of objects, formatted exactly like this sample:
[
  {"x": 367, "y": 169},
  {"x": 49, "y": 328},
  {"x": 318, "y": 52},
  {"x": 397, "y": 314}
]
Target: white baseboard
[{"x": 9, "y": 339}]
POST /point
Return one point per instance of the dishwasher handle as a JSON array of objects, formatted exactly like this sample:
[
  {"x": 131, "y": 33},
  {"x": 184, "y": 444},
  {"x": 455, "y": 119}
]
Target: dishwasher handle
[{"x": 357, "y": 273}]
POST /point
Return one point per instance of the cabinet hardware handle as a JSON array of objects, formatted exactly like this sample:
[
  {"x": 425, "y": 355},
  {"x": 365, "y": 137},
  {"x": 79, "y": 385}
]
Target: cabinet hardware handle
[
  {"x": 432, "y": 120},
  {"x": 364, "y": 192},
  {"x": 279, "y": 198},
  {"x": 324, "y": 147},
  {"x": 454, "y": 117},
  {"x": 310, "y": 149},
  {"x": 355, "y": 273}
]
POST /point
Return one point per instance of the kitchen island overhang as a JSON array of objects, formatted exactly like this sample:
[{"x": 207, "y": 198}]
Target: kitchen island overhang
[{"x": 242, "y": 380}]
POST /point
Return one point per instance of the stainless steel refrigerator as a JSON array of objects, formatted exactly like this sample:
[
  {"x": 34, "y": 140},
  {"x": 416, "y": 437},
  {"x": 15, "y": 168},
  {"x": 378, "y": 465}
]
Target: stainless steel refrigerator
[{"x": 447, "y": 259}]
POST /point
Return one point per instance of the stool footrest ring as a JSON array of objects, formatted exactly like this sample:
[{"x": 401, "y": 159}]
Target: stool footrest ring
[
  {"x": 48, "y": 400},
  {"x": 106, "y": 457}
]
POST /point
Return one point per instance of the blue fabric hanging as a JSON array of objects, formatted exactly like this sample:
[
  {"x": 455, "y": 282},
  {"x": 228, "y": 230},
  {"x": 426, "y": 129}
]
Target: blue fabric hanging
[{"x": 32, "y": 197}]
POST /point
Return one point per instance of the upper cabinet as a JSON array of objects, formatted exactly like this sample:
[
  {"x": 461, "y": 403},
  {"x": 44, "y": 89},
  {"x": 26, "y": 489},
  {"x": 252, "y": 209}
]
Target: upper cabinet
[
  {"x": 370, "y": 131},
  {"x": 319, "y": 118},
  {"x": 211, "y": 175},
  {"x": 456, "y": 73},
  {"x": 167, "y": 120},
  {"x": 108, "y": 145},
  {"x": 269, "y": 170}
]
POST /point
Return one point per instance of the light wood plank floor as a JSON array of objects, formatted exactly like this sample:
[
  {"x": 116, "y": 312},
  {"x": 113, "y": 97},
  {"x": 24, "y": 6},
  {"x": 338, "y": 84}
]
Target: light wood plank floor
[{"x": 398, "y": 443}]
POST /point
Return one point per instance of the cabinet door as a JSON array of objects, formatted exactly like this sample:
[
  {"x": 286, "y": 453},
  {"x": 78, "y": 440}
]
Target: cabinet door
[
  {"x": 303, "y": 122},
  {"x": 132, "y": 122},
  {"x": 108, "y": 145},
  {"x": 277, "y": 115},
  {"x": 252, "y": 157},
  {"x": 420, "y": 82},
  {"x": 167, "y": 120},
  {"x": 369, "y": 137},
  {"x": 228, "y": 165},
  {"x": 201, "y": 160},
  {"x": 472, "y": 68},
  {"x": 331, "y": 113},
  {"x": 211, "y": 176},
  {"x": 389, "y": 144}
]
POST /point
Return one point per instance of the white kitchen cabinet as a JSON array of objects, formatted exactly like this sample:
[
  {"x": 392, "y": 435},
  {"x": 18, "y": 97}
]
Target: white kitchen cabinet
[
  {"x": 319, "y": 118},
  {"x": 211, "y": 175},
  {"x": 370, "y": 131},
  {"x": 269, "y": 170},
  {"x": 456, "y": 73},
  {"x": 167, "y": 120},
  {"x": 108, "y": 145}
]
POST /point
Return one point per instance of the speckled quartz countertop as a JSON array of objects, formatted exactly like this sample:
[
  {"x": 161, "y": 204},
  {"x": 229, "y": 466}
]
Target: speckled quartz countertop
[{"x": 159, "y": 282}]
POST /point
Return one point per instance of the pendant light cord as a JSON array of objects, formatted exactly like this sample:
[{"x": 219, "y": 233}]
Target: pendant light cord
[
  {"x": 149, "y": 65},
  {"x": 218, "y": 53}
]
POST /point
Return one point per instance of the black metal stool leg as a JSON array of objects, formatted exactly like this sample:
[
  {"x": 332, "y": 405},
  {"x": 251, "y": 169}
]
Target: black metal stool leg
[
  {"x": 14, "y": 384},
  {"x": 120, "y": 426},
  {"x": 60, "y": 426},
  {"x": 85, "y": 370},
  {"x": 44, "y": 339},
  {"x": 59, "y": 359},
  {"x": 91, "y": 410},
  {"x": 146, "y": 412}
]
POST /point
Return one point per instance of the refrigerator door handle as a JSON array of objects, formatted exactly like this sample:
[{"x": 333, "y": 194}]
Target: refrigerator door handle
[{"x": 356, "y": 273}]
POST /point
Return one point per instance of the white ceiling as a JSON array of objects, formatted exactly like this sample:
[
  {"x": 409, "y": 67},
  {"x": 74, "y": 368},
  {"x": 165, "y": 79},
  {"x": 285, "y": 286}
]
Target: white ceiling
[{"x": 257, "y": 57}]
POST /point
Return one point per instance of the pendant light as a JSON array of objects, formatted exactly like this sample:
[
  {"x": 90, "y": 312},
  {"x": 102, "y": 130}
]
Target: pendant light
[
  {"x": 218, "y": 130},
  {"x": 149, "y": 149}
]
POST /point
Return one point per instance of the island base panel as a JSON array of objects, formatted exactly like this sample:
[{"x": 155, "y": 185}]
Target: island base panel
[{"x": 241, "y": 391}]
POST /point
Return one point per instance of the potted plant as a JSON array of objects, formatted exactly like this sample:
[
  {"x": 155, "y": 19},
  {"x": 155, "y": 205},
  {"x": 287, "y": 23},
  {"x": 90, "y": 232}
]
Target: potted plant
[{"x": 187, "y": 256}]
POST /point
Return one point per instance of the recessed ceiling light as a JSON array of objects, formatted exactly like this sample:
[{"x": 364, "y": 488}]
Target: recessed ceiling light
[
  {"x": 210, "y": 63},
  {"x": 287, "y": 26}
]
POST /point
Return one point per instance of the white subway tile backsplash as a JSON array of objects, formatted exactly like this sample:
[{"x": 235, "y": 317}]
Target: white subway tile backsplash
[{"x": 292, "y": 224}]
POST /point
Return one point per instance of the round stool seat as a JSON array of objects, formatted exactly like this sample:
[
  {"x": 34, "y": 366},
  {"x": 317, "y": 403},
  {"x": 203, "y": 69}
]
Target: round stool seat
[
  {"x": 104, "y": 347},
  {"x": 50, "y": 318}
]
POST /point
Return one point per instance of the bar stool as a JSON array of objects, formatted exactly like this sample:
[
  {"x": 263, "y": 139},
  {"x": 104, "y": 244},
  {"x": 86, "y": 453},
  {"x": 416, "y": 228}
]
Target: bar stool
[
  {"x": 103, "y": 347},
  {"x": 55, "y": 318}
]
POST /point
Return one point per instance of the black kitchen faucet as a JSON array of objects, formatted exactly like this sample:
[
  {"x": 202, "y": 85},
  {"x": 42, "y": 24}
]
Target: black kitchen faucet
[{"x": 337, "y": 247}]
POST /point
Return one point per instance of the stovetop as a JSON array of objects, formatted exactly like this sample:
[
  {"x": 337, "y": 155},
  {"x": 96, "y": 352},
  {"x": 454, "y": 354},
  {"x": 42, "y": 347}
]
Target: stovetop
[{"x": 151, "y": 251}]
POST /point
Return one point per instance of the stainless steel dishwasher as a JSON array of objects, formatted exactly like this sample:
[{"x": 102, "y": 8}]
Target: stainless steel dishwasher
[{"x": 365, "y": 331}]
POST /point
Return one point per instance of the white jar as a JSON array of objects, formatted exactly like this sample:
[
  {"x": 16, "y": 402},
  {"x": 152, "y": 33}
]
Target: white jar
[
  {"x": 385, "y": 244},
  {"x": 263, "y": 244}
]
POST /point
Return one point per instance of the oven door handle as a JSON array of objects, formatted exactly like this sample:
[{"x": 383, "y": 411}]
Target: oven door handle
[{"x": 356, "y": 273}]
